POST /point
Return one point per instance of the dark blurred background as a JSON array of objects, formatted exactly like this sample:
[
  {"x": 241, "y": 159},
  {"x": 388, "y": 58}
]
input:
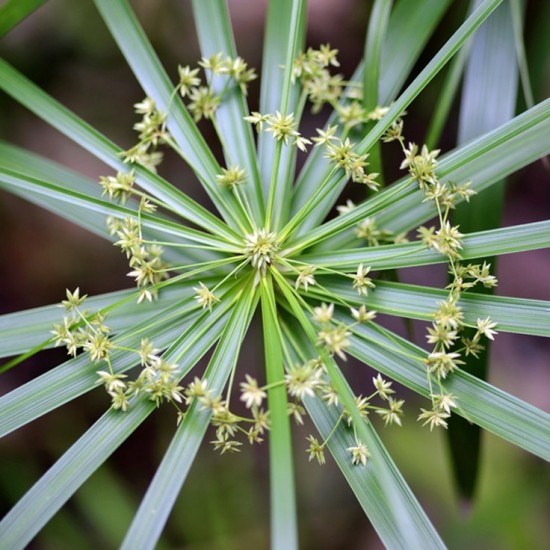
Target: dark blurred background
[{"x": 225, "y": 502}]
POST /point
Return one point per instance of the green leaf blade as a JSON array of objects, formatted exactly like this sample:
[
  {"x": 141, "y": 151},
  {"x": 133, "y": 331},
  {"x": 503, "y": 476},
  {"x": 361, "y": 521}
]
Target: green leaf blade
[
  {"x": 157, "y": 503},
  {"x": 53, "y": 489},
  {"x": 33, "y": 98},
  {"x": 12, "y": 12},
  {"x": 517, "y": 315},
  {"x": 284, "y": 532},
  {"x": 216, "y": 36}
]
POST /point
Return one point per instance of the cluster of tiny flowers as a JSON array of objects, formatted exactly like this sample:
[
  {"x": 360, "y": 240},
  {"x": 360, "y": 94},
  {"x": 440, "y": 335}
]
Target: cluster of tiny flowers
[
  {"x": 228, "y": 425},
  {"x": 80, "y": 330},
  {"x": 152, "y": 133},
  {"x": 340, "y": 152},
  {"x": 391, "y": 413},
  {"x": 320, "y": 87},
  {"x": 158, "y": 379},
  {"x": 260, "y": 248},
  {"x": 312, "y": 68},
  {"x": 145, "y": 259},
  {"x": 334, "y": 336},
  {"x": 88, "y": 332},
  {"x": 282, "y": 127},
  {"x": 445, "y": 334},
  {"x": 203, "y": 100}
]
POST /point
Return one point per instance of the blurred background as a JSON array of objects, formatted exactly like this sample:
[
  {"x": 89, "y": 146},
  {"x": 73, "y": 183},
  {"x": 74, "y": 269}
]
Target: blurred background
[{"x": 225, "y": 502}]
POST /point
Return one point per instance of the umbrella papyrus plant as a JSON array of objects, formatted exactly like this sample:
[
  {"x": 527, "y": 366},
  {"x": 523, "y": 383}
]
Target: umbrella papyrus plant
[{"x": 272, "y": 246}]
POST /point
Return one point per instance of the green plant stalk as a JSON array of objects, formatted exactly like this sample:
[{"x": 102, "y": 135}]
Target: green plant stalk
[{"x": 283, "y": 505}]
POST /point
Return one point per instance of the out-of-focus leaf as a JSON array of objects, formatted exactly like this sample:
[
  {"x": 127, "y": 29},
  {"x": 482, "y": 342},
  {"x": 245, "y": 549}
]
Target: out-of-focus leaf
[
  {"x": 12, "y": 12},
  {"x": 488, "y": 101}
]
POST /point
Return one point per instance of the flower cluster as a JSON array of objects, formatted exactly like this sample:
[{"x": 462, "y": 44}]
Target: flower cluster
[
  {"x": 202, "y": 101},
  {"x": 81, "y": 330},
  {"x": 152, "y": 133},
  {"x": 391, "y": 413},
  {"x": 341, "y": 154},
  {"x": 145, "y": 258},
  {"x": 369, "y": 231},
  {"x": 445, "y": 334},
  {"x": 320, "y": 87},
  {"x": 312, "y": 69},
  {"x": 282, "y": 127}
]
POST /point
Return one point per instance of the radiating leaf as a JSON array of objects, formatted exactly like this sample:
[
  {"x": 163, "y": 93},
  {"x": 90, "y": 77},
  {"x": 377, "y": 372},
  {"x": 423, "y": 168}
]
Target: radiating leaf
[
  {"x": 157, "y": 504},
  {"x": 145, "y": 64},
  {"x": 277, "y": 44},
  {"x": 283, "y": 501},
  {"x": 55, "y": 487},
  {"x": 12, "y": 12},
  {"x": 506, "y": 240},
  {"x": 36, "y": 100},
  {"x": 517, "y": 315},
  {"x": 216, "y": 36}
]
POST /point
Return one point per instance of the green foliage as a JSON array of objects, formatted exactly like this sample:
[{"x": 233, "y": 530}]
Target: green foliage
[{"x": 315, "y": 283}]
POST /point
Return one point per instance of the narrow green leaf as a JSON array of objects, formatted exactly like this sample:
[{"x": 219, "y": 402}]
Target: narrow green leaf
[
  {"x": 53, "y": 191},
  {"x": 157, "y": 504},
  {"x": 376, "y": 34},
  {"x": 506, "y": 240},
  {"x": 23, "y": 330},
  {"x": 147, "y": 68},
  {"x": 517, "y": 315},
  {"x": 395, "y": 513},
  {"x": 410, "y": 27},
  {"x": 12, "y": 12},
  {"x": 33, "y": 98},
  {"x": 215, "y": 36},
  {"x": 446, "y": 97},
  {"x": 284, "y": 34},
  {"x": 278, "y": 198},
  {"x": 284, "y": 530},
  {"x": 517, "y": 8},
  {"x": 64, "y": 478}
]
